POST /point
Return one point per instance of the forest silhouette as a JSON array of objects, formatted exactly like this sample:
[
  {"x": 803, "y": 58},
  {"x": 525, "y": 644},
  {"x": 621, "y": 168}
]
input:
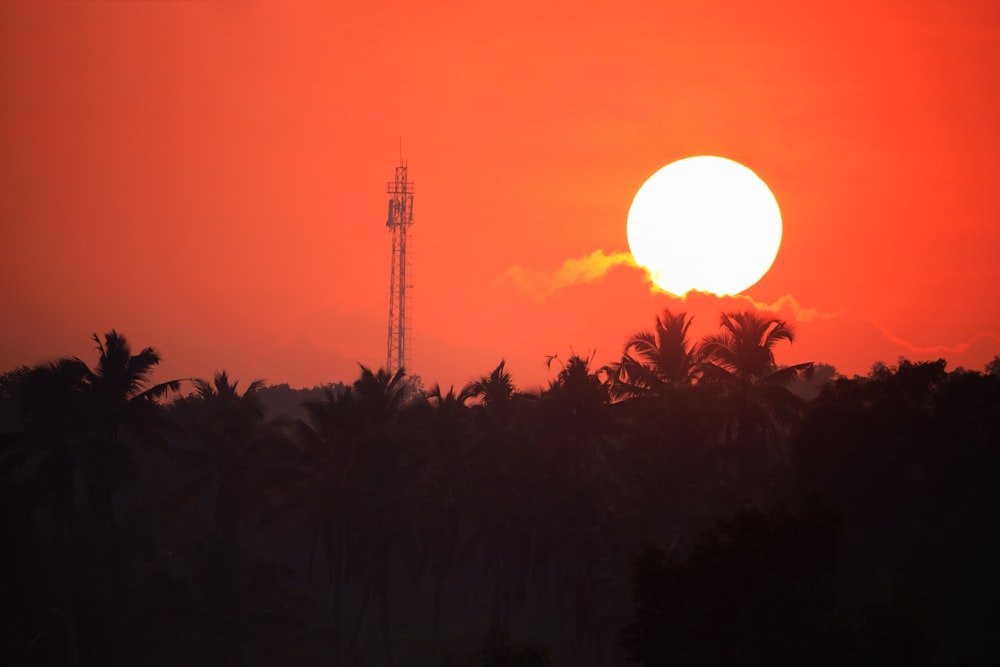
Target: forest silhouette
[{"x": 690, "y": 503}]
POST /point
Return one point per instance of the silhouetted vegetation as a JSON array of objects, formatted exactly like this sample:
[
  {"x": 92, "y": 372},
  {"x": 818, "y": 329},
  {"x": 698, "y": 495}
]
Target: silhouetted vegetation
[
  {"x": 756, "y": 590},
  {"x": 691, "y": 503}
]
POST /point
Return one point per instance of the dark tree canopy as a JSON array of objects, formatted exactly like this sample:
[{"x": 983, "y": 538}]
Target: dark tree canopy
[{"x": 691, "y": 503}]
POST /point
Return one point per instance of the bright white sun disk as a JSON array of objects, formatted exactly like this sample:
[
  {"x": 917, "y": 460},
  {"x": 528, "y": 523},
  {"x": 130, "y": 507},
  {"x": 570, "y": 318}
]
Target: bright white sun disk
[{"x": 704, "y": 223}]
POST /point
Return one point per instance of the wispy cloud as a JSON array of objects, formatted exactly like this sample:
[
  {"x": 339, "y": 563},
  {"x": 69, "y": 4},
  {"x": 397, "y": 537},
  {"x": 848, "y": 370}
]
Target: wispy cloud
[
  {"x": 851, "y": 325},
  {"x": 790, "y": 305},
  {"x": 576, "y": 271},
  {"x": 960, "y": 347},
  {"x": 860, "y": 339}
]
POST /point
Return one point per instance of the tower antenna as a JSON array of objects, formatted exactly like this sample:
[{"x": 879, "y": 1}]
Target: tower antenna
[{"x": 400, "y": 218}]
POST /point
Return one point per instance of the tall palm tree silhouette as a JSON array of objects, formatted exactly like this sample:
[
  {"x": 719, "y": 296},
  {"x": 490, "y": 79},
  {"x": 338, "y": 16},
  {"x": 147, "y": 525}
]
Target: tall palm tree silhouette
[
  {"x": 231, "y": 447},
  {"x": 495, "y": 391},
  {"x": 503, "y": 508},
  {"x": 329, "y": 463},
  {"x": 447, "y": 427},
  {"x": 73, "y": 417},
  {"x": 379, "y": 395},
  {"x": 655, "y": 361},
  {"x": 121, "y": 384},
  {"x": 580, "y": 531},
  {"x": 389, "y": 491},
  {"x": 54, "y": 453},
  {"x": 740, "y": 361}
]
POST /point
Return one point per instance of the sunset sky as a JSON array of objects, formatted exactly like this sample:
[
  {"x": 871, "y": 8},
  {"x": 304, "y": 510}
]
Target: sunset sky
[{"x": 209, "y": 177}]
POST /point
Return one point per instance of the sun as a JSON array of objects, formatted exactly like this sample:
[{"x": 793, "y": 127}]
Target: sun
[{"x": 704, "y": 223}]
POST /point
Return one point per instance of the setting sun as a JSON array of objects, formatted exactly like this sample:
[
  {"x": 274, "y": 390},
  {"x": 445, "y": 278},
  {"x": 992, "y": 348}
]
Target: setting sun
[{"x": 704, "y": 223}]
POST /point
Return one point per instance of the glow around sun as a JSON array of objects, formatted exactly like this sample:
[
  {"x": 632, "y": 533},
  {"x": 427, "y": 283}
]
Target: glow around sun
[{"x": 704, "y": 223}]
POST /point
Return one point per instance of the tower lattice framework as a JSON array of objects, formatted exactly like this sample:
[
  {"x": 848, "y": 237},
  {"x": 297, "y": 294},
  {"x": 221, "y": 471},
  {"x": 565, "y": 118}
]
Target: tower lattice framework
[{"x": 400, "y": 218}]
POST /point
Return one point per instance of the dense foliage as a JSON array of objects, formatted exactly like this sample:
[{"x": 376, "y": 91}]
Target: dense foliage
[{"x": 683, "y": 505}]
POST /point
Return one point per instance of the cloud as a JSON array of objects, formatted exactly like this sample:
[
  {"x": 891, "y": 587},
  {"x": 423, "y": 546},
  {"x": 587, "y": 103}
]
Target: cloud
[
  {"x": 576, "y": 271},
  {"x": 786, "y": 306},
  {"x": 854, "y": 336},
  {"x": 977, "y": 340},
  {"x": 789, "y": 304},
  {"x": 847, "y": 338}
]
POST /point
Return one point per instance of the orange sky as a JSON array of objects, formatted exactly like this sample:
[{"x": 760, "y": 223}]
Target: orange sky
[{"x": 209, "y": 177}]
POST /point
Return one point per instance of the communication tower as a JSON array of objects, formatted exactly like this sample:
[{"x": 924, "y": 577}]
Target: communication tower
[{"x": 400, "y": 192}]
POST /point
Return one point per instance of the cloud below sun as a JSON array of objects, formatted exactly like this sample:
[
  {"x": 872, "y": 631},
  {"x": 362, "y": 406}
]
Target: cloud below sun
[{"x": 864, "y": 339}]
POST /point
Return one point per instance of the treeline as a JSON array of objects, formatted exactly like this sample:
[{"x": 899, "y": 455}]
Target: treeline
[{"x": 683, "y": 505}]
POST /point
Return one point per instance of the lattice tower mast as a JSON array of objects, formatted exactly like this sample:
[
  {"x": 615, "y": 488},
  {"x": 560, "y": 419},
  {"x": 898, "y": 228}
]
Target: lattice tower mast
[{"x": 400, "y": 218}]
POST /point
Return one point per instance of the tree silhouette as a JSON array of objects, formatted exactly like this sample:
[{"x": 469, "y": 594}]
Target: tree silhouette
[
  {"x": 229, "y": 452},
  {"x": 501, "y": 650},
  {"x": 497, "y": 394},
  {"x": 121, "y": 384},
  {"x": 508, "y": 481},
  {"x": 756, "y": 590},
  {"x": 584, "y": 535},
  {"x": 447, "y": 427},
  {"x": 379, "y": 396},
  {"x": 231, "y": 608},
  {"x": 329, "y": 461},
  {"x": 740, "y": 362},
  {"x": 576, "y": 402},
  {"x": 655, "y": 361},
  {"x": 993, "y": 367},
  {"x": 906, "y": 454},
  {"x": 74, "y": 461},
  {"x": 390, "y": 491},
  {"x": 54, "y": 451},
  {"x": 417, "y": 519}
]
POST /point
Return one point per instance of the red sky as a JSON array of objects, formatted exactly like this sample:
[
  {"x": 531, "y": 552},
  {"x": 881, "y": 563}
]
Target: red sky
[{"x": 209, "y": 177}]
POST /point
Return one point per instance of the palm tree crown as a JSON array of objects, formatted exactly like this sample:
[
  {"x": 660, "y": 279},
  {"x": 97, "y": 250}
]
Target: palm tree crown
[
  {"x": 495, "y": 389},
  {"x": 744, "y": 349},
  {"x": 740, "y": 360},
  {"x": 655, "y": 360},
  {"x": 120, "y": 383}
]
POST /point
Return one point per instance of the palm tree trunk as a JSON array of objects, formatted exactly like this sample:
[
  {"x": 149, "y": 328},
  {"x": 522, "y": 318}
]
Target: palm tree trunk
[
  {"x": 507, "y": 588},
  {"x": 66, "y": 586},
  {"x": 386, "y": 634},
  {"x": 338, "y": 581},
  {"x": 436, "y": 618},
  {"x": 356, "y": 636},
  {"x": 498, "y": 589}
]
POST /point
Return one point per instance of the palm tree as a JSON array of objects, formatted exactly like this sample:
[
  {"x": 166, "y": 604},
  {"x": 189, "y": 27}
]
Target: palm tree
[
  {"x": 121, "y": 386},
  {"x": 577, "y": 407},
  {"x": 69, "y": 402},
  {"x": 582, "y": 520},
  {"x": 581, "y": 390},
  {"x": 389, "y": 488},
  {"x": 658, "y": 397},
  {"x": 233, "y": 607},
  {"x": 232, "y": 445},
  {"x": 654, "y": 362},
  {"x": 506, "y": 433},
  {"x": 740, "y": 361},
  {"x": 119, "y": 395},
  {"x": 330, "y": 460},
  {"x": 72, "y": 417},
  {"x": 380, "y": 395},
  {"x": 448, "y": 430},
  {"x": 494, "y": 390},
  {"x": 50, "y": 462}
]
